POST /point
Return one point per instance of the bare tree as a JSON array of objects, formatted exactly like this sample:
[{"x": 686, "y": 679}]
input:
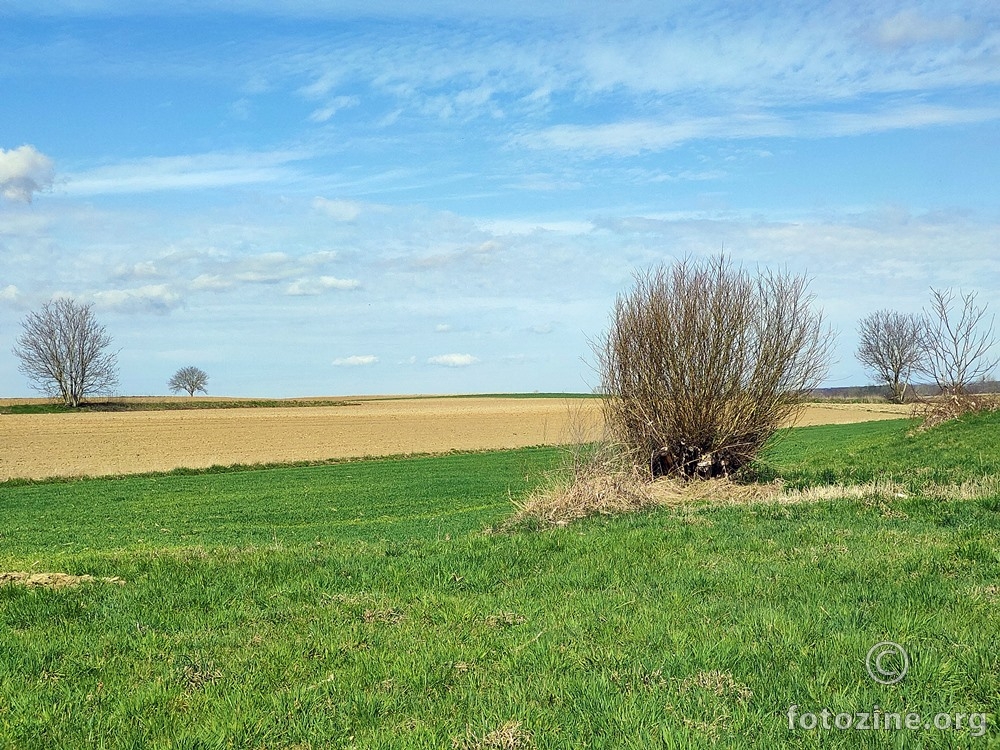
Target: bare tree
[
  {"x": 63, "y": 352},
  {"x": 703, "y": 362},
  {"x": 891, "y": 346},
  {"x": 189, "y": 379},
  {"x": 958, "y": 342}
]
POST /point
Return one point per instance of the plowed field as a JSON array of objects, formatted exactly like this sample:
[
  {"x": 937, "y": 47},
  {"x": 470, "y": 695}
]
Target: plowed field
[{"x": 99, "y": 443}]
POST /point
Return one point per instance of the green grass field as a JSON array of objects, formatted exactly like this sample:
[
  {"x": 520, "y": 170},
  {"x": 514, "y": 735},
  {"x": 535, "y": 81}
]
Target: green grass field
[{"x": 366, "y": 605}]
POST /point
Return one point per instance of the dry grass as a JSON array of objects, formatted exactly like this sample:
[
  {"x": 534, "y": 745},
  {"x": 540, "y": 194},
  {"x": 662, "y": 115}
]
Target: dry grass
[
  {"x": 613, "y": 490},
  {"x": 629, "y": 492},
  {"x": 721, "y": 684},
  {"x": 53, "y": 580},
  {"x": 384, "y": 616},
  {"x": 510, "y": 736},
  {"x": 505, "y": 620},
  {"x": 940, "y": 409}
]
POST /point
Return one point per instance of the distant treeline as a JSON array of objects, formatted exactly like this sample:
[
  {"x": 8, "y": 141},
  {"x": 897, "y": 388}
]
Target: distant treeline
[{"x": 876, "y": 392}]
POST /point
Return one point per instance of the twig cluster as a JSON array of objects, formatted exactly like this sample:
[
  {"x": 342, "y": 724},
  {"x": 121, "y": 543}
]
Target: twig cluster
[{"x": 704, "y": 361}]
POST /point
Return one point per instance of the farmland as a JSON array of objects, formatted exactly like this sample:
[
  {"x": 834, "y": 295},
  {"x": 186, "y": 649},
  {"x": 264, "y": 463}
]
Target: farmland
[
  {"x": 38, "y": 445},
  {"x": 370, "y": 605}
]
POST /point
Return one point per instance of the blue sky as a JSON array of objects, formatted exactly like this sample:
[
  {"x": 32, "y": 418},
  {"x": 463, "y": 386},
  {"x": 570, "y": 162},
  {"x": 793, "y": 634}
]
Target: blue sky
[{"x": 399, "y": 197}]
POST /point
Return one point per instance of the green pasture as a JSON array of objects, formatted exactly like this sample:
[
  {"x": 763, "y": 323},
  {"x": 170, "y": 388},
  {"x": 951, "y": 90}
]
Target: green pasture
[{"x": 374, "y": 604}]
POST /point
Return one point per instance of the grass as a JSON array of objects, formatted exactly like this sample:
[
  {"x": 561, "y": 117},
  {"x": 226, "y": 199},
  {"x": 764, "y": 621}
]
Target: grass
[
  {"x": 964, "y": 449},
  {"x": 363, "y": 605}
]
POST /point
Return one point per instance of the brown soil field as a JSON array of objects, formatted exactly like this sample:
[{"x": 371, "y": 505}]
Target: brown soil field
[{"x": 101, "y": 443}]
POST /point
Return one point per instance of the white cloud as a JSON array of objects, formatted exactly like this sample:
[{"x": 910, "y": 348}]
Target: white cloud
[
  {"x": 154, "y": 298},
  {"x": 143, "y": 270},
  {"x": 9, "y": 293},
  {"x": 453, "y": 360},
  {"x": 263, "y": 268},
  {"x": 309, "y": 287},
  {"x": 211, "y": 282},
  {"x": 357, "y": 360},
  {"x": 24, "y": 171},
  {"x": 442, "y": 328},
  {"x": 320, "y": 257},
  {"x": 529, "y": 226}
]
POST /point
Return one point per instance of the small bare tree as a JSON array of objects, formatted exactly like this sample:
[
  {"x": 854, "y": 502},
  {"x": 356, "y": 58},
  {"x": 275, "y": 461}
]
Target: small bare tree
[
  {"x": 703, "y": 362},
  {"x": 891, "y": 346},
  {"x": 189, "y": 379},
  {"x": 63, "y": 352},
  {"x": 958, "y": 342}
]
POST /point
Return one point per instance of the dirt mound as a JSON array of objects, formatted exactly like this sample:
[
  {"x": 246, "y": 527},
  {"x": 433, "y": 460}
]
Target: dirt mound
[{"x": 53, "y": 580}]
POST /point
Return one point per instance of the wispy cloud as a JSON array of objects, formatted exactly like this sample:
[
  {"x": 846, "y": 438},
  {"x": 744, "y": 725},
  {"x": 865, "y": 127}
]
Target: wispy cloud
[
  {"x": 312, "y": 287},
  {"x": 334, "y": 106},
  {"x": 338, "y": 210},
  {"x": 189, "y": 172},
  {"x": 635, "y": 137},
  {"x": 261, "y": 268},
  {"x": 911, "y": 26}
]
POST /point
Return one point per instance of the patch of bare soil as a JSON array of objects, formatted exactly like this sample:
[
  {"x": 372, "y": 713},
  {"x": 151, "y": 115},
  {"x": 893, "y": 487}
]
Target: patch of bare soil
[
  {"x": 53, "y": 580},
  {"x": 834, "y": 413},
  {"x": 101, "y": 443}
]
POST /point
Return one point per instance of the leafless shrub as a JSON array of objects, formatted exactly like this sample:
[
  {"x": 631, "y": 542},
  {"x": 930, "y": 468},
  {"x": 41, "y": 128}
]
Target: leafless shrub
[
  {"x": 935, "y": 410},
  {"x": 892, "y": 346},
  {"x": 958, "y": 342},
  {"x": 63, "y": 352},
  {"x": 704, "y": 361}
]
